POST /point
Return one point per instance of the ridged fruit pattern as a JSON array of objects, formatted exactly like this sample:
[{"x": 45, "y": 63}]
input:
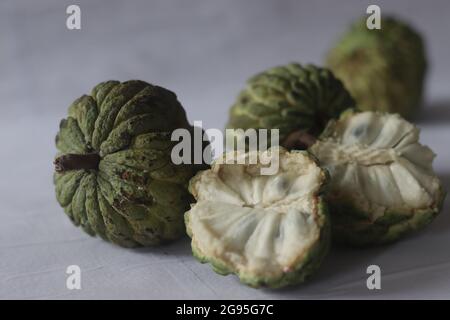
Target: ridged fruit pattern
[
  {"x": 133, "y": 195},
  {"x": 382, "y": 181},
  {"x": 384, "y": 69},
  {"x": 290, "y": 98},
  {"x": 270, "y": 230}
]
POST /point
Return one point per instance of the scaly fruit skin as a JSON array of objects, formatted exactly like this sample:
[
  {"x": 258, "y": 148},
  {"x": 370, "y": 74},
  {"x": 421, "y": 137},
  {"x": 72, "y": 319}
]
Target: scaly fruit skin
[
  {"x": 130, "y": 192},
  {"x": 351, "y": 209},
  {"x": 304, "y": 267},
  {"x": 290, "y": 98},
  {"x": 384, "y": 69},
  {"x": 351, "y": 227}
]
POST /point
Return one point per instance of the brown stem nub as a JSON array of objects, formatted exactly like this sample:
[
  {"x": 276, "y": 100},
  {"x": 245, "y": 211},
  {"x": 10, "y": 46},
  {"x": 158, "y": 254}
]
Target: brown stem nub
[
  {"x": 299, "y": 140},
  {"x": 73, "y": 161}
]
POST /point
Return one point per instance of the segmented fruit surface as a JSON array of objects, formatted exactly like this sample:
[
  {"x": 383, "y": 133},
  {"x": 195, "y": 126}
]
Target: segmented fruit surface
[
  {"x": 290, "y": 98},
  {"x": 383, "y": 69},
  {"x": 270, "y": 230},
  {"x": 130, "y": 192},
  {"x": 382, "y": 181}
]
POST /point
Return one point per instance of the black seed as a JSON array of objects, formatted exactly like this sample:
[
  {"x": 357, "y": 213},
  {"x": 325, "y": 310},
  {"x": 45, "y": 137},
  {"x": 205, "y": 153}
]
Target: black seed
[{"x": 359, "y": 130}]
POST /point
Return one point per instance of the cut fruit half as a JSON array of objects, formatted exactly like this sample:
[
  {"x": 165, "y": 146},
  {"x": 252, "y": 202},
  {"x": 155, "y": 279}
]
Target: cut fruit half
[
  {"x": 382, "y": 181},
  {"x": 270, "y": 230}
]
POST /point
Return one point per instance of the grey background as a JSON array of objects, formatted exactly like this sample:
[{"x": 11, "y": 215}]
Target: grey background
[{"x": 203, "y": 50}]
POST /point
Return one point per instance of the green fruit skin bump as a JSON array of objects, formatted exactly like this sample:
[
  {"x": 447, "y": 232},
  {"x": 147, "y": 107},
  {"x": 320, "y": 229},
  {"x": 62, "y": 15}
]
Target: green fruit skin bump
[
  {"x": 383, "y": 69},
  {"x": 292, "y": 98},
  {"x": 351, "y": 227},
  {"x": 114, "y": 175}
]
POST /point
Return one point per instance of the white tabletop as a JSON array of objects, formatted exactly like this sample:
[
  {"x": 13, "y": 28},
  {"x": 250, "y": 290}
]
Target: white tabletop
[{"x": 204, "y": 51}]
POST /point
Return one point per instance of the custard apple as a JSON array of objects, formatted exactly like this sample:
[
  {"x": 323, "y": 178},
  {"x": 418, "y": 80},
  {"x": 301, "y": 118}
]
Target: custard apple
[
  {"x": 114, "y": 175},
  {"x": 382, "y": 182},
  {"x": 384, "y": 69},
  {"x": 292, "y": 98},
  {"x": 269, "y": 230}
]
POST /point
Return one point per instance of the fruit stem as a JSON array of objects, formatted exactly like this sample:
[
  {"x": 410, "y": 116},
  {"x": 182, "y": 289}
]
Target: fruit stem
[
  {"x": 299, "y": 140},
  {"x": 73, "y": 161}
]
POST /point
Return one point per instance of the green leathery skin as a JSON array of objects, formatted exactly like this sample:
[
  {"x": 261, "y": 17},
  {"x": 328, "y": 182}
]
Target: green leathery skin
[
  {"x": 352, "y": 227},
  {"x": 290, "y": 98},
  {"x": 303, "y": 270},
  {"x": 383, "y": 69},
  {"x": 136, "y": 196}
]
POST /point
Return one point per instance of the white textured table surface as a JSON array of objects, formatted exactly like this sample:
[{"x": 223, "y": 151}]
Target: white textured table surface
[{"x": 204, "y": 51}]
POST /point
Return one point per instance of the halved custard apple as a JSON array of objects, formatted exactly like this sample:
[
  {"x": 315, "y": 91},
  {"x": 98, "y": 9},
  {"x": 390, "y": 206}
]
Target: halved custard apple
[
  {"x": 269, "y": 230},
  {"x": 382, "y": 182}
]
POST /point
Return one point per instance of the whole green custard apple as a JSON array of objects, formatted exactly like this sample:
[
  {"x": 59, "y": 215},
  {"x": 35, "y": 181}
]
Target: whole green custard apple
[
  {"x": 114, "y": 175},
  {"x": 382, "y": 182},
  {"x": 269, "y": 230},
  {"x": 384, "y": 69},
  {"x": 292, "y": 98}
]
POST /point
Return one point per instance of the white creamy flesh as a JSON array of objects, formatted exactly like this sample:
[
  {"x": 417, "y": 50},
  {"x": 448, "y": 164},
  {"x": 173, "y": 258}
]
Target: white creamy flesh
[
  {"x": 376, "y": 160},
  {"x": 255, "y": 224}
]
